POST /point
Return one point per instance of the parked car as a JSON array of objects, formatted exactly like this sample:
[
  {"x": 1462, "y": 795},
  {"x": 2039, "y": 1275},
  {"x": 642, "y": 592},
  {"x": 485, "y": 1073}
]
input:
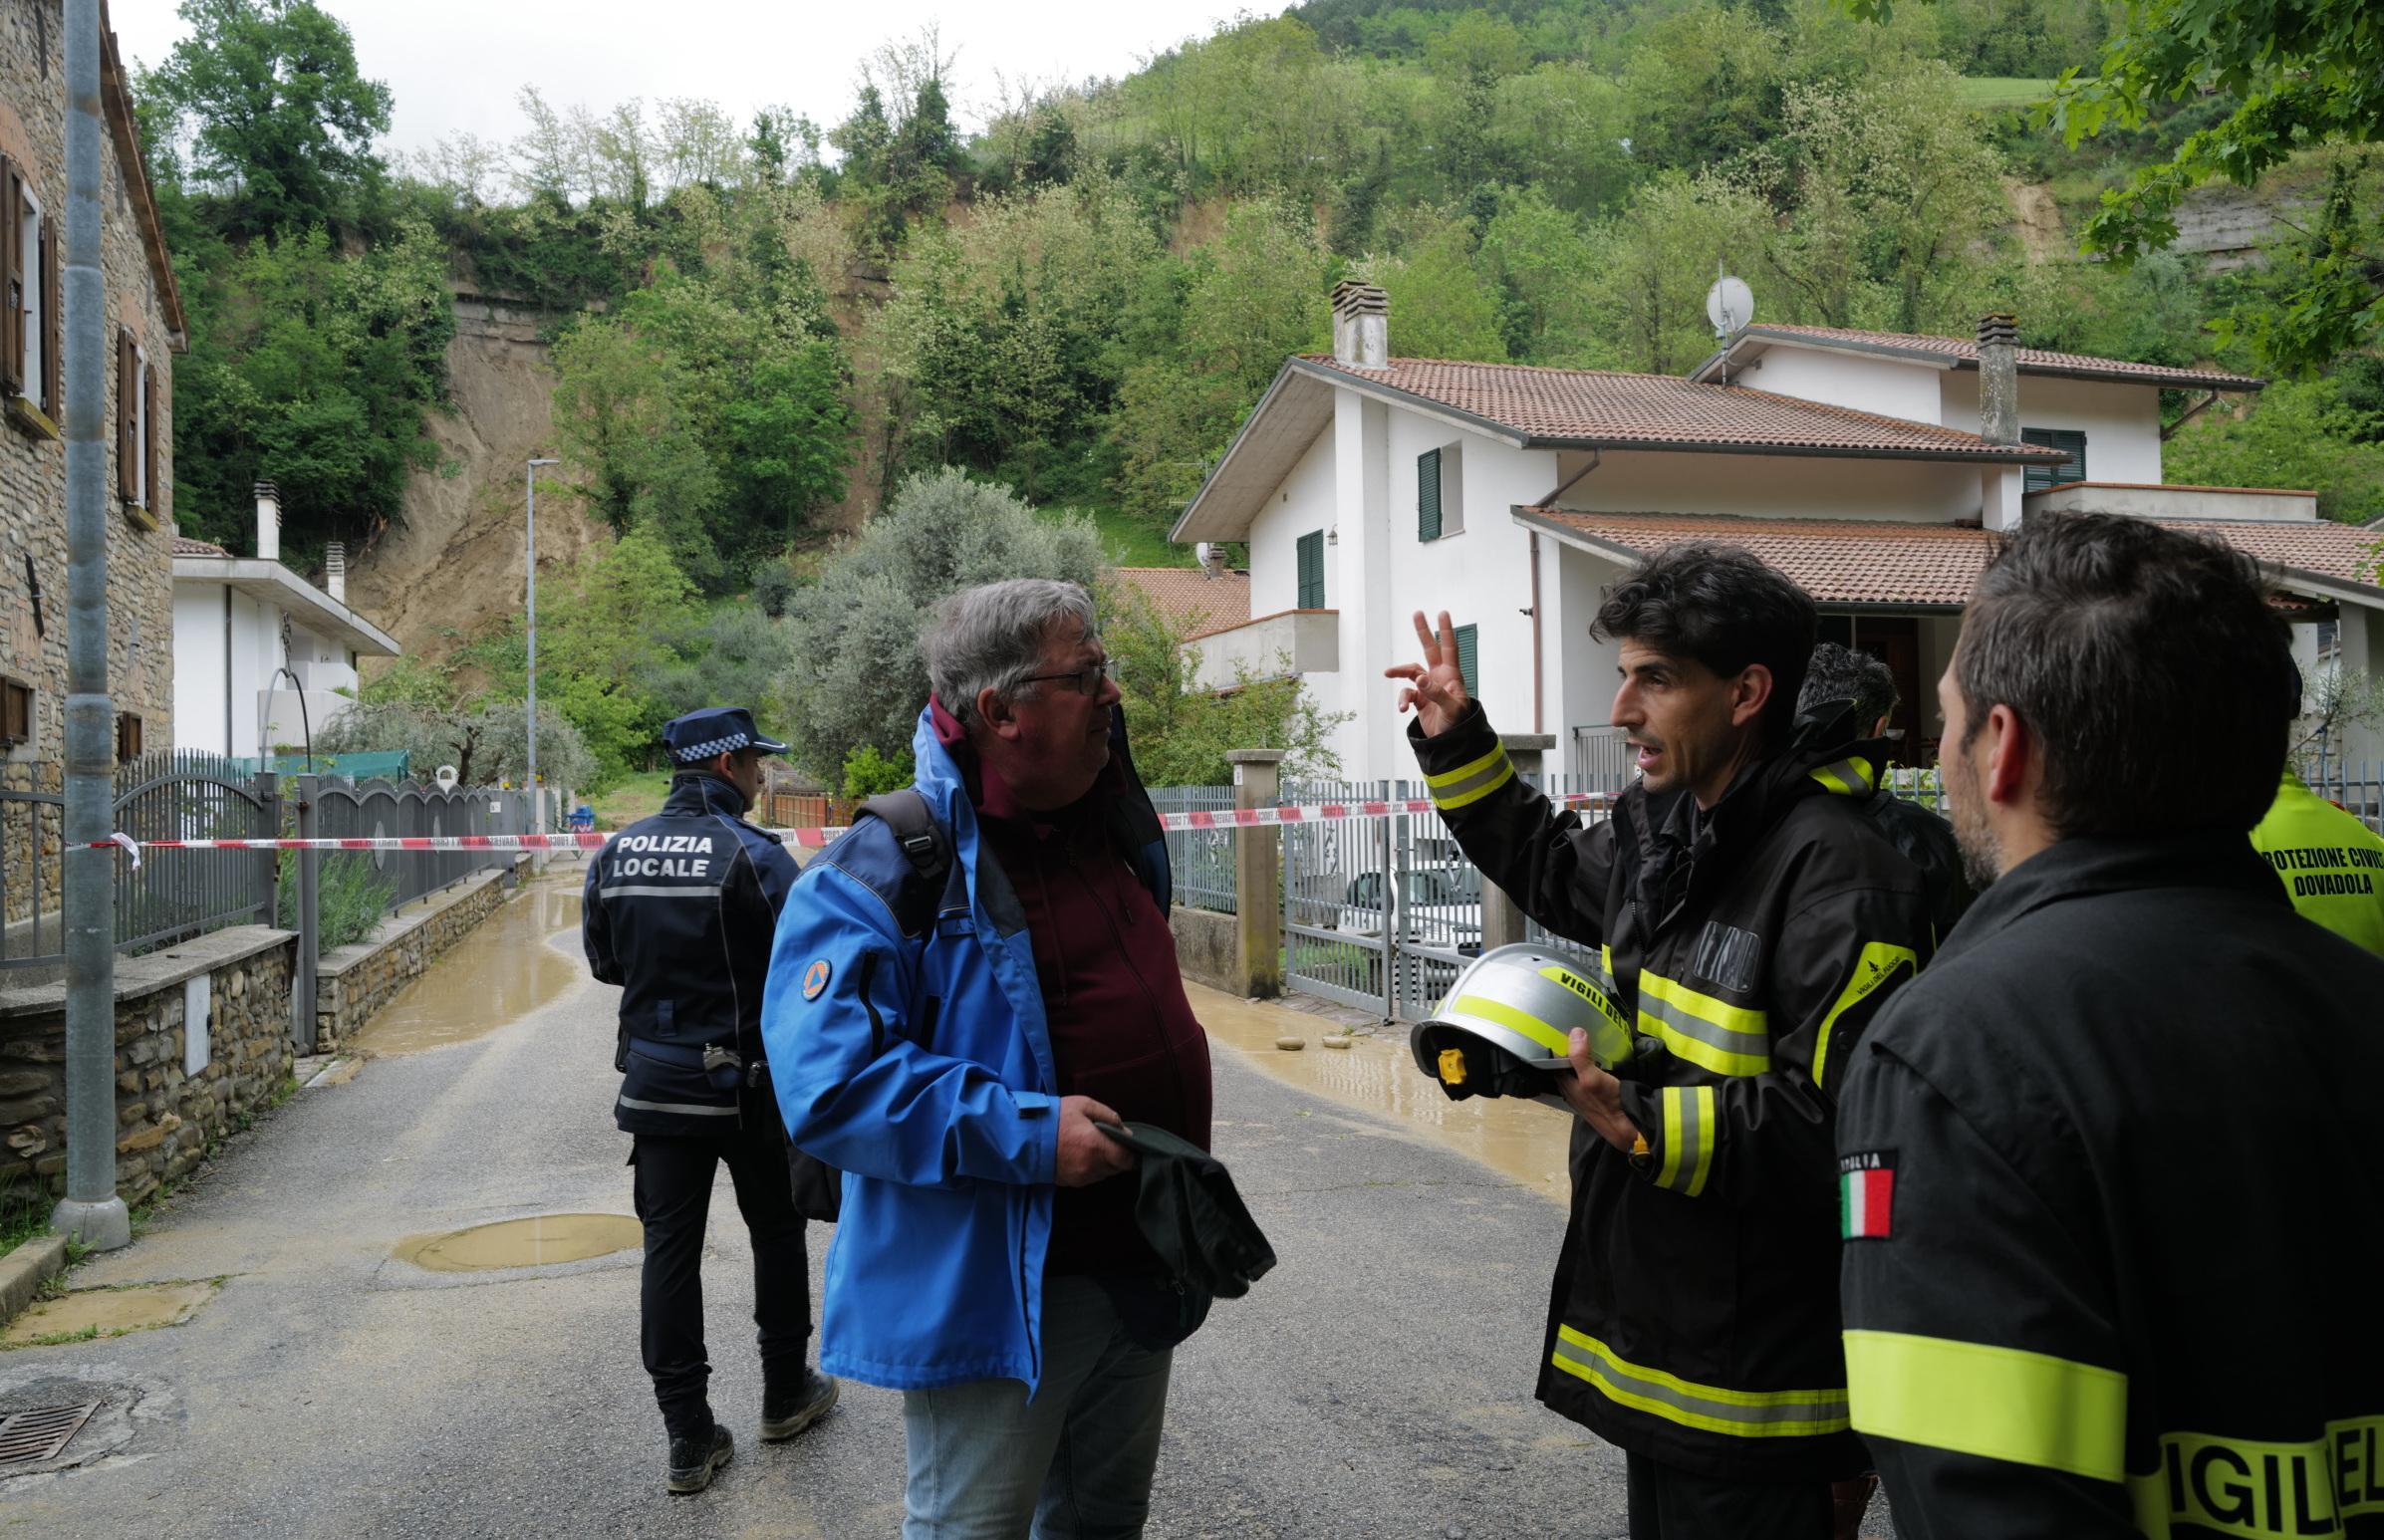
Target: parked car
[{"x": 1436, "y": 907}]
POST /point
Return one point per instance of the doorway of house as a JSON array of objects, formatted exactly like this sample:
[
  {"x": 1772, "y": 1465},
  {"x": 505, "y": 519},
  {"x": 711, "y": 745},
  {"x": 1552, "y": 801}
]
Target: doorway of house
[{"x": 1894, "y": 640}]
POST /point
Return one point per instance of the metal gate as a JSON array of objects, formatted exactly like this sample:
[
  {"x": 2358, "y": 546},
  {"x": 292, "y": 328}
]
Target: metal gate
[{"x": 1382, "y": 913}]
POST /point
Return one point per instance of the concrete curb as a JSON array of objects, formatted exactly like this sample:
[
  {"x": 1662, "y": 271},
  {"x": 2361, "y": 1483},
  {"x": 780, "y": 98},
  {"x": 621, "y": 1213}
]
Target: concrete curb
[{"x": 24, "y": 1271}]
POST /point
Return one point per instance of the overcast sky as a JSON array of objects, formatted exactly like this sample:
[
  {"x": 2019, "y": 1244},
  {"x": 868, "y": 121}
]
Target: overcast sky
[{"x": 457, "y": 64}]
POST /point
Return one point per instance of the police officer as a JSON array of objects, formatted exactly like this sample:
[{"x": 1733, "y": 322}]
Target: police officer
[
  {"x": 2108, "y": 1168},
  {"x": 678, "y": 910}
]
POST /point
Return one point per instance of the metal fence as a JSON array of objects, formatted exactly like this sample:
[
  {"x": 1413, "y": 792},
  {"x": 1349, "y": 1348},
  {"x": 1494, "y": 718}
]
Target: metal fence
[
  {"x": 408, "y": 809},
  {"x": 1202, "y": 859},
  {"x": 2355, "y": 785}
]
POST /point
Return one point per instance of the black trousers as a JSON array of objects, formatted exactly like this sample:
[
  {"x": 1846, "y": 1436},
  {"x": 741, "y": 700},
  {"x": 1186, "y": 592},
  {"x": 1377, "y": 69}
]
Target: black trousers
[
  {"x": 674, "y": 1195},
  {"x": 1670, "y": 1504}
]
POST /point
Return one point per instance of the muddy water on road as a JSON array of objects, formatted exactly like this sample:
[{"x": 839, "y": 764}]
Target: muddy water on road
[
  {"x": 1517, "y": 1138},
  {"x": 538, "y": 1241},
  {"x": 497, "y": 974}
]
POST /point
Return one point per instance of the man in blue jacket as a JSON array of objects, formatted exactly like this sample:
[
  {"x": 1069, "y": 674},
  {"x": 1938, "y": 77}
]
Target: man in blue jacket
[
  {"x": 678, "y": 910},
  {"x": 953, "y": 1050}
]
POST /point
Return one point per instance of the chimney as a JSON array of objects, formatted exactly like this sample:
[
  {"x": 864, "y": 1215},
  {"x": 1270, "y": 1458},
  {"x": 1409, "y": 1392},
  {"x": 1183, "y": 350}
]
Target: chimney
[
  {"x": 1361, "y": 325},
  {"x": 269, "y": 522},
  {"x": 1998, "y": 378},
  {"x": 335, "y": 571}
]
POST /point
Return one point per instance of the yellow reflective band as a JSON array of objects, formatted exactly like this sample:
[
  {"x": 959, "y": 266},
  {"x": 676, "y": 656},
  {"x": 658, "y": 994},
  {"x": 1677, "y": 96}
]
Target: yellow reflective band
[
  {"x": 1848, "y": 777},
  {"x": 1688, "y": 1124},
  {"x": 2007, "y": 1404},
  {"x": 2242, "y": 1486},
  {"x": 1742, "y": 1413},
  {"x": 1877, "y": 964},
  {"x": 1728, "y": 1017},
  {"x": 1507, "y": 1016},
  {"x": 1470, "y": 783},
  {"x": 1709, "y": 1033}
]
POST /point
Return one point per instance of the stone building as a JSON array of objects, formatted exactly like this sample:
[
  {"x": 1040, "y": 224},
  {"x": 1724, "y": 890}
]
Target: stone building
[{"x": 144, "y": 328}]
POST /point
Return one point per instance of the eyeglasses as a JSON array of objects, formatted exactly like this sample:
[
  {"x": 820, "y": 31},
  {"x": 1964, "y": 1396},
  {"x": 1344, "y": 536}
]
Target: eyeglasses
[{"x": 1088, "y": 681}]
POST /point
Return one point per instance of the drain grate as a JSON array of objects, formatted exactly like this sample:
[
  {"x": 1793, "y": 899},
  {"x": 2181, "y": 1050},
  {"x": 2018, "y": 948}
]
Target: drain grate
[{"x": 41, "y": 1433}]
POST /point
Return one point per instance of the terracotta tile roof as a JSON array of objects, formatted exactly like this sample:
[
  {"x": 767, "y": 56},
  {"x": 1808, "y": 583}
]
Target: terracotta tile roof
[
  {"x": 1193, "y": 599},
  {"x": 1549, "y": 406},
  {"x": 1838, "y": 561},
  {"x": 1875, "y": 562},
  {"x": 183, "y": 545},
  {"x": 2036, "y": 361},
  {"x": 2322, "y": 548}
]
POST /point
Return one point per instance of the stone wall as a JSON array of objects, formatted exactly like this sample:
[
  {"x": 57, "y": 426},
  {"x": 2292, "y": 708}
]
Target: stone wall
[
  {"x": 354, "y": 981},
  {"x": 33, "y": 469},
  {"x": 1205, "y": 950},
  {"x": 167, "y": 1113}
]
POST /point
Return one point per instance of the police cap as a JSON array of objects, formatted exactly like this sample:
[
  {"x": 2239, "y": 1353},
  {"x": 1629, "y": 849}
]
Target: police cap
[{"x": 713, "y": 731}]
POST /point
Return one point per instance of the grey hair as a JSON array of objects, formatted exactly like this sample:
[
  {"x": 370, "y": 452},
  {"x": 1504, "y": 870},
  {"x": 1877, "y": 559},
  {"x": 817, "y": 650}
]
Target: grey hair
[
  {"x": 993, "y": 637},
  {"x": 1842, "y": 673}
]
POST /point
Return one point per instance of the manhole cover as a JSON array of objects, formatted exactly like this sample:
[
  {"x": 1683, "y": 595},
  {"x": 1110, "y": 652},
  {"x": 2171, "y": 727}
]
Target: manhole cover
[{"x": 40, "y": 1433}]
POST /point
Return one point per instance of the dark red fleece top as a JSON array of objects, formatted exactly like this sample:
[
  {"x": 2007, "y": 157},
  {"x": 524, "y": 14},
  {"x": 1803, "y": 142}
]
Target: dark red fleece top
[{"x": 1122, "y": 1031}]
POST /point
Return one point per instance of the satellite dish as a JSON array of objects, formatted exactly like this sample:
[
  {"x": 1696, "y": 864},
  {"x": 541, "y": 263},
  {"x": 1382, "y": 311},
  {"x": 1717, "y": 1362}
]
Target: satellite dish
[
  {"x": 1730, "y": 305},
  {"x": 446, "y": 776}
]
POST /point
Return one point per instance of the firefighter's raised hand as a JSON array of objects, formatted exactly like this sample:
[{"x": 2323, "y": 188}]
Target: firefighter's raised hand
[{"x": 1435, "y": 687}]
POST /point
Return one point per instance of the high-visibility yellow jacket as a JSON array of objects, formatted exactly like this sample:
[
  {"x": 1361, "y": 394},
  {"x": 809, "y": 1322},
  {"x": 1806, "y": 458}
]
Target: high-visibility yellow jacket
[
  {"x": 2111, "y": 1168},
  {"x": 2332, "y": 864},
  {"x": 1694, "y": 1315}
]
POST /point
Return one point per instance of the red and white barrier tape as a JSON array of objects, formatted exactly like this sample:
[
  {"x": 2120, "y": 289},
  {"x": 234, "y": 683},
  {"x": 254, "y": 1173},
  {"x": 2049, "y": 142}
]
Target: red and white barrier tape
[{"x": 812, "y": 839}]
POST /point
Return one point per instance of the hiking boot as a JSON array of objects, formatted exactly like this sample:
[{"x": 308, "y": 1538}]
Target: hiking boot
[
  {"x": 784, "y": 1415},
  {"x": 692, "y": 1460}
]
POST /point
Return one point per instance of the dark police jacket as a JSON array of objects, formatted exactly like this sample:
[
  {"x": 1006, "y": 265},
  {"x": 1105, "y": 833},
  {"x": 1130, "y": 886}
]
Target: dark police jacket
[
  {"x": 1695, "y": 1311},
  {"x": 2115, "y": 1166},
  {"x": 678, "y": 910}
]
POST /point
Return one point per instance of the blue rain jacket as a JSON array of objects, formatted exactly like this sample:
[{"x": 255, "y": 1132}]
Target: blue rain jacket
[{"x": 920, "y": 1067}]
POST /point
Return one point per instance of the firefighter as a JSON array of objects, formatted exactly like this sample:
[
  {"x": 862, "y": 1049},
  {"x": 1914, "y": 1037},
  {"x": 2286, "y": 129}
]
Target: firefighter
[
  {"x": 678, "y": 910},
  {"x": 1750, "y": 921},
  {"x": 2107, "y": 1169}
]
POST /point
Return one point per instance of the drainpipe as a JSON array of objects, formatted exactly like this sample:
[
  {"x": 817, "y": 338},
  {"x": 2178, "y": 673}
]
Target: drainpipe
[{"x": 90, "y": 1211}]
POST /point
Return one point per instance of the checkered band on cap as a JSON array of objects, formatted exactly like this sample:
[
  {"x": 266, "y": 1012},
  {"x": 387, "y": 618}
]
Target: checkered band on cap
[{"x": 697, "y": 752}]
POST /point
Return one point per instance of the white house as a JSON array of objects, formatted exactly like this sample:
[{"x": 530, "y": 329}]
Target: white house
[
  {"x": 1872, "y": 467},
  {"x": 261, "y": 654}
]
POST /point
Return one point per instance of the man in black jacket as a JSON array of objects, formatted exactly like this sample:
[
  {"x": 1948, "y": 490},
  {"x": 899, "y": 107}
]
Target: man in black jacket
[
  {"x": 1837, "y": 675},
  {"x": 2110, "y": 1169},
  {"x": 678, "y": 910},
  {"x": 1750, "y": 921}
]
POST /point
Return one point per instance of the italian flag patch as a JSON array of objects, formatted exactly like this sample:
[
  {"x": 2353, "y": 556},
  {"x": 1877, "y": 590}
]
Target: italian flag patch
[{"x": 1867, "y": 1195}]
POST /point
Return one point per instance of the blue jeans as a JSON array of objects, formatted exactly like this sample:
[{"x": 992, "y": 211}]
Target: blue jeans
[{"x": 1074, "y": 1463}]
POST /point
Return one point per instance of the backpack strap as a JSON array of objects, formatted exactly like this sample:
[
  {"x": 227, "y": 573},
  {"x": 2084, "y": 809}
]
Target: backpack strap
[{"x": 928, "y": 847}]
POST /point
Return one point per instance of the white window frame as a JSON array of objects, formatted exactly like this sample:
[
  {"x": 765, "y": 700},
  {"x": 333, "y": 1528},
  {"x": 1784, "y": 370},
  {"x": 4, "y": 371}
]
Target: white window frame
[{"x": 37, "y": 321}]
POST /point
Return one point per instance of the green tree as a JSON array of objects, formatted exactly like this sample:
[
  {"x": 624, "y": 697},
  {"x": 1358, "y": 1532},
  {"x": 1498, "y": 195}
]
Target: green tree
[
  {"x": 1653, "y": 262},
  {"x": 1443, "y": 307},
  {"x": 280, "y": 119},
  {"x": 853, "y": 675},
  {"x": 2298, "y": 433}
]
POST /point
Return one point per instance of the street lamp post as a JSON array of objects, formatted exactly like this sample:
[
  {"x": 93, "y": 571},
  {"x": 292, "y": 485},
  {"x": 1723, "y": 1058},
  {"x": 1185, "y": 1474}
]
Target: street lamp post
[{"x": 530, "y": 563}]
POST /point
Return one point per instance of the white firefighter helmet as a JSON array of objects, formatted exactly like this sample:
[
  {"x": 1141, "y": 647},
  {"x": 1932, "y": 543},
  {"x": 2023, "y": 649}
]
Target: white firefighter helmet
[{"x": 1512, "y": 1010}]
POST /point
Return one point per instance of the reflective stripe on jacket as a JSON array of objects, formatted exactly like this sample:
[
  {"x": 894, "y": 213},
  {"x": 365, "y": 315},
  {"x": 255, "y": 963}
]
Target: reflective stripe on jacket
[
  {"x": 2118, "y": 1265},
  {"x": 1695, "y": 1311},
  {"x": 920, "y": 1065}
]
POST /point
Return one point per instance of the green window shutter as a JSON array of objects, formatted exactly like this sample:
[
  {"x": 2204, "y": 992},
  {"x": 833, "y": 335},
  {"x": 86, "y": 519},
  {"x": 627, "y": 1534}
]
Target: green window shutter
[
  {"x": 1311, "y": 548},
  {"x": 1464, "y": 659},
  {"x": 2070, "y": 442},
  {"x": 1428, "y": 495}
]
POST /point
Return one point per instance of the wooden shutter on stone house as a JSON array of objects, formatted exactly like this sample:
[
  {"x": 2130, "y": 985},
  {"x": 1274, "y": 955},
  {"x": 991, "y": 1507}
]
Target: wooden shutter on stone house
[
  {"x": 53, "y": 346},
  {"x": 12, "y": 278},
  {"x": 149, "y": 441},
  {"x": 128, "y": 410}
]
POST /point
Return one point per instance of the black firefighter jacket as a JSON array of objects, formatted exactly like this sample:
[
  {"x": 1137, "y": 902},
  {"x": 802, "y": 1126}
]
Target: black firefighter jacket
[
  {"x": 1695, "y": 1313},
  {"x": 678, "y": 910},
  {"x": 2113, "y": 1170}
]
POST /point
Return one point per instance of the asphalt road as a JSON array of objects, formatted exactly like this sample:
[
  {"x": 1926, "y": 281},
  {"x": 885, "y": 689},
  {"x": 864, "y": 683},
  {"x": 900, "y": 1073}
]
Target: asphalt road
[{"x": 1377, "y": 1384}]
